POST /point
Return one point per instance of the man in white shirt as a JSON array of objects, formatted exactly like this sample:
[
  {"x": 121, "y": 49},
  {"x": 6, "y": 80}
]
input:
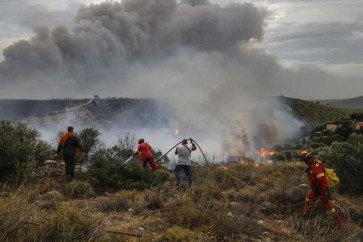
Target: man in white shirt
[{"x": 184, "y": 160}]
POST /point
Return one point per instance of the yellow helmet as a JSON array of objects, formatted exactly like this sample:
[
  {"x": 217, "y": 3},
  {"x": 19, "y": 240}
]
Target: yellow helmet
[{"x": 305, "y": 155}]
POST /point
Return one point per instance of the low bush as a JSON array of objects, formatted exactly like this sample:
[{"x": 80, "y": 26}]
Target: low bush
[
  {"x": 21, "y": 150},
  {"x": 347, "y": 160},
  {"x": 112, "y": 175}
]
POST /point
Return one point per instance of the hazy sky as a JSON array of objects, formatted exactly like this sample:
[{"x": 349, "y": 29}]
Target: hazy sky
[{"x": 312, "y": 49}]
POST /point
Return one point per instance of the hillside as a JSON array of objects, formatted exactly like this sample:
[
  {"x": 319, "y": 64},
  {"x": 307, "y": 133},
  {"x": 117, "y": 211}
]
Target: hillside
[
  {"x": 315, "y": 114},
  {"x": 19, "y": 108},
  {"x": 127, "y": 113},
  {"x": 351, "y": 103}
]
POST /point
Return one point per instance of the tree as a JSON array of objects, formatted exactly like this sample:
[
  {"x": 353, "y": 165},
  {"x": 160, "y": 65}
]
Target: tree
[
  {"x": 357, "y": 116},
  {"x": 344, "y": 131},
  {"x": 90, "y": 140}
]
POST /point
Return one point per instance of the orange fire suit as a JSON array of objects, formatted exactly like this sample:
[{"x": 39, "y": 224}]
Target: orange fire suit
[
  {"x": 146, "y": 156},
  {"x": 319, "y": 188}
]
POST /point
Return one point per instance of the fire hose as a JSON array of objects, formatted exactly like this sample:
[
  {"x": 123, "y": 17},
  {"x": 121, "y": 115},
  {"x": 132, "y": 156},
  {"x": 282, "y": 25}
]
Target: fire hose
[
  {"x": 201, "y": 150},
  {"x": 317, "y": 198},
  {"x": 133, "y": 150}
]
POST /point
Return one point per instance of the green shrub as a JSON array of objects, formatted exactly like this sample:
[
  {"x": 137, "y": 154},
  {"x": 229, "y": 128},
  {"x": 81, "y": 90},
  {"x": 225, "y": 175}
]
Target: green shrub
[
  {"x": 90, "y": 140},
  {"x": 21, "y": 149},
  {"x": 347, "y": 160},
  {"x": 112, "y": 175}
]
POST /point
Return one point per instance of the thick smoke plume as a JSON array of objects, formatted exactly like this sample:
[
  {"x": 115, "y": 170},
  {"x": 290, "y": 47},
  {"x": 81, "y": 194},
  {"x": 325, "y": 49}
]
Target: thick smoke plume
[{"x": 197, "y": 56}]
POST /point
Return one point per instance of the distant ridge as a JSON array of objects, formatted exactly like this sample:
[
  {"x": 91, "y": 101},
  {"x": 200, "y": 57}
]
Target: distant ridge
[
  {"x": 352, "y": 103},
  {"x": 14, "y": 109},
  {"x": 128, "y": 113},
  {"x": 314, "y": 113},
  {"x": 133, "y": 113}
]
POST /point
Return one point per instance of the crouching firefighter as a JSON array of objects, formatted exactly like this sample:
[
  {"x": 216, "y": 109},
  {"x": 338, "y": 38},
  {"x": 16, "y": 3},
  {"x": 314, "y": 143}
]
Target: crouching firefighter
[{"x": 319, "y": 187}]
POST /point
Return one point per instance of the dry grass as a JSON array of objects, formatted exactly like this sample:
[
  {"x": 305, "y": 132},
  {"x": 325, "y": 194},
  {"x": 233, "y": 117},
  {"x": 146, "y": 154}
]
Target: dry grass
[
  {"x": 68, "y": 224},
  {"x": 13, "y": 210},
  {"x": 227, "y": 179},
  {"x": 78, "y": 189},
  {"x": 223, "y": 205},
  {"x": 178, "y": 234},
  {"x": 114, "y": 203}
]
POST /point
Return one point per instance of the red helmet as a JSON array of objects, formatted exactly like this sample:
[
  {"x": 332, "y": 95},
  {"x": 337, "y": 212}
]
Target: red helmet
[{"x": 305, "y": 155}]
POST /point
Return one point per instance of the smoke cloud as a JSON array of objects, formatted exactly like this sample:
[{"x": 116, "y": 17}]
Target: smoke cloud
[{"x": 198, "y": 57}]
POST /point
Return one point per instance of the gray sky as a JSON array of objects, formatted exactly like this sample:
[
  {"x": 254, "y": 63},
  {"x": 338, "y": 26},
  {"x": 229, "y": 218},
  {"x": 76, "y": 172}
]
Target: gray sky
[{"x": 312, "y": 49}]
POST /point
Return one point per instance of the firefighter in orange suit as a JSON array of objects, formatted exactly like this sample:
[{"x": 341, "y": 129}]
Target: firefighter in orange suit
[
  {"x": 145, "y": 155},
  {"x": 319, "y": 187}
]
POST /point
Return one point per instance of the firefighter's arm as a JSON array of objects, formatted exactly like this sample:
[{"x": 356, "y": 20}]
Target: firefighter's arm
[
  {"x": 193, "y": 145},
  {"x": 60, "y": 145},
  {"x": 319, "y": 172},
  {"x": 59, "y": 149},
  {"x": 79, "y": 145},
  {"x": 176, "y": 150}
]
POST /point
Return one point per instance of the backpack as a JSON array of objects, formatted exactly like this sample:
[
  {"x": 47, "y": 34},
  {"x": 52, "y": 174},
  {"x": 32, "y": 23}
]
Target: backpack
[{"x": 332, "y": 177}]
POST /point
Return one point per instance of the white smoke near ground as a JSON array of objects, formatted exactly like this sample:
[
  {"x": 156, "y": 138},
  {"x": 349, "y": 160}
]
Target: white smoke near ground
[{"x": 198, "y": 57}]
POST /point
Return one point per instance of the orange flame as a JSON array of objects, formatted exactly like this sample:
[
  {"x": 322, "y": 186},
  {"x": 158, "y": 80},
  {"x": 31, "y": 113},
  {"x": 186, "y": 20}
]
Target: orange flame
[
  {"x": 241, "y": 158},
  {"x": 265, "y": 153}
]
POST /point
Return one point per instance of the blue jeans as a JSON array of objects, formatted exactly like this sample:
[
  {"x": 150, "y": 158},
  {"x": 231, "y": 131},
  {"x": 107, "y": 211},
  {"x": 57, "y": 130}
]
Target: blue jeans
[{"x": 188, "y": 172}]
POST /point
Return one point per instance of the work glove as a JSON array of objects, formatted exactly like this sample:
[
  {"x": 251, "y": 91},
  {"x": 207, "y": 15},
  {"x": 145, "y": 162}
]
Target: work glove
[{"x": 327, "y": 194}]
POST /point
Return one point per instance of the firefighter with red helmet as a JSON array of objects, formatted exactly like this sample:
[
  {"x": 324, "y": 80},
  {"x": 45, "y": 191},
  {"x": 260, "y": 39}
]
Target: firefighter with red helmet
[{"x": 319, "y": 187}]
